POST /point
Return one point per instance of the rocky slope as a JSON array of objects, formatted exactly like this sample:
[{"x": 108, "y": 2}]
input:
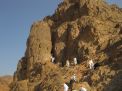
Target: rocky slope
[
  {"x": 5, "y": 82},
  {"x": 85, "y": 29}
]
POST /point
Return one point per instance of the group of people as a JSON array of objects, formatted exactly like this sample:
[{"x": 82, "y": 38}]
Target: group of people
[
  {"x": 68, "y": 63},
  {"x": 90, "y": 62},
  {"x": 73, "y": 79},
  {"x": 91, "y": 66}
]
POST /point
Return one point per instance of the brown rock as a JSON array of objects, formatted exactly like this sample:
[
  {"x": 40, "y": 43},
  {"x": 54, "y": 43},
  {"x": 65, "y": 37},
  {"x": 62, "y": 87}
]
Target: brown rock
[{"x": 5, "y": 82}]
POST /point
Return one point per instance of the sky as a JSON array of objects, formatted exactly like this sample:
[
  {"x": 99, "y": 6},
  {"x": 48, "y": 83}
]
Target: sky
[{"x": 16, "y": 18}]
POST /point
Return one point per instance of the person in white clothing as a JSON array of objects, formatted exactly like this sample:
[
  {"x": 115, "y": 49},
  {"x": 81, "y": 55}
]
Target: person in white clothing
[
  {"x": 65, "y": 87},
  {"x": 74, "y": 78},
  {"x": 67, "y": 63},
  {"x": 52, "y": 59},
  {"x": 91, "y": 64},
  {"x": 82, "y": 89},
  {"x": 75, "y": 61}
]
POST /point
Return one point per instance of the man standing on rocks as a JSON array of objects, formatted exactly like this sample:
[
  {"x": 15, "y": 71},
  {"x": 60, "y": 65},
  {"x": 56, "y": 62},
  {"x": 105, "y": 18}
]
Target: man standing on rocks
[
  {"x": 65, "y": 87},
  {"x": 91, "y": 64},
  {"x": 75, "y": 61},
  {"x": 52, "y": 59},
  {"x": 74, "y": 78},
  {"x": 82, "y": 88},
  {"x": 67, "y": 63}
]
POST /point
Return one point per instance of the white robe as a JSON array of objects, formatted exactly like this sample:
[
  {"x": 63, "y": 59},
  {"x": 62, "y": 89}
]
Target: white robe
[
  {"x": 74, "y": 77},
  {"x": 66, "y": 87},
  {"x": 52, "y": 59},
  {"x": 91, "y": 64},
  {"x": 83, "y": 89},
  {"x": 75, "y": 61},
  {"x": 67, "y": 63}
]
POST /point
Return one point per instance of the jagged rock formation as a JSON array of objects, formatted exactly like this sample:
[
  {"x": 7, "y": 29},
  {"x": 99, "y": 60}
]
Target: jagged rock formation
[
  {"x": 5, "y": 82},
  {"x": 79, "y": 28}
]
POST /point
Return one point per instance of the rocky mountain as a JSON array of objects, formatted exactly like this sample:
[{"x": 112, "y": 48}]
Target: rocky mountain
[
  {"x": 85, "y": 29},
  {"x": 5, "y": 82}
]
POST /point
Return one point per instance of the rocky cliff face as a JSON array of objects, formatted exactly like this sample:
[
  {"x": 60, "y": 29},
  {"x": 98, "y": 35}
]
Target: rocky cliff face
[{"x": 85, "y": 29}]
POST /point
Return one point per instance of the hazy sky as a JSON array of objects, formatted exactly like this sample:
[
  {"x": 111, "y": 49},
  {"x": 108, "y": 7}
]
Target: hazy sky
[{"x": 16, "y": 17}]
